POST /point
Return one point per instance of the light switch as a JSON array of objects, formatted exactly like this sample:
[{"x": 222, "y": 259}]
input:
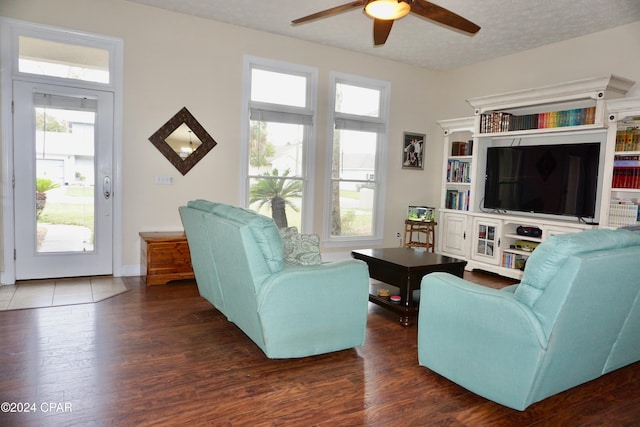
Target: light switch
[{"x": 164, "y": 180}]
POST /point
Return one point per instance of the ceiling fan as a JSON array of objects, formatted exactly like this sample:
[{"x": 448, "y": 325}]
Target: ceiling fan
[{"x": 384, "y": 12}]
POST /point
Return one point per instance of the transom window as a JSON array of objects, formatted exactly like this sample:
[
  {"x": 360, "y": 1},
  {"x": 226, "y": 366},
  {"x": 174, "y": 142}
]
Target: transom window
[{"x": 63, "y": 60}]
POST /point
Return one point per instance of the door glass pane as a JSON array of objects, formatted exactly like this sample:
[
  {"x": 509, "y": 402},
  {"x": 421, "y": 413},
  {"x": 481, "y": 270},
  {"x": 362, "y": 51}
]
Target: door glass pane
[
  {"x": 492, "y": 232},
  {"x": 65, "y": 145},
  {"x": 482, "y": 231},
  {"x": 64, "y": 60}
]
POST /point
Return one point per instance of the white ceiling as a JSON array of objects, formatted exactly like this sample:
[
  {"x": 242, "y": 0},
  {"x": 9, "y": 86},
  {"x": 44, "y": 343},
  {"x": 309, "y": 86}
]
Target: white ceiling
[{"x": 508, "y": 26}]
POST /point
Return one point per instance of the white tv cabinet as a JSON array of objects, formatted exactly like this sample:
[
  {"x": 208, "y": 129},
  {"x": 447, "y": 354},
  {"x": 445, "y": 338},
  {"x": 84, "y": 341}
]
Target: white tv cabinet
[{"x": 572, "y": 113}]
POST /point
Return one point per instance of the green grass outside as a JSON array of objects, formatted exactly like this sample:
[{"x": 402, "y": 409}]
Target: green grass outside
[
  {"x": 71, "y": 212},
  {"x": 78, "y": 192},
  {"x": 356, "y": 222}
]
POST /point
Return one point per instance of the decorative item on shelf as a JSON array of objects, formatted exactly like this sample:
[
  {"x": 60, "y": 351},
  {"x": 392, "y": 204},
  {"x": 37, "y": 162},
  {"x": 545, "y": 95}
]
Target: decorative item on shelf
[
  {"x": 383, "y": 293},
  {"x": 183, "y": 141},
  {"x": 395, "y": 298},
  {"x": 525, "y": 245},
  {"x": 412, "y": 151}
]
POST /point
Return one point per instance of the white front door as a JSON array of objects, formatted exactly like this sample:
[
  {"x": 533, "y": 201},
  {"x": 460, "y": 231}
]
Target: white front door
[{"x": 63, "y": 162}]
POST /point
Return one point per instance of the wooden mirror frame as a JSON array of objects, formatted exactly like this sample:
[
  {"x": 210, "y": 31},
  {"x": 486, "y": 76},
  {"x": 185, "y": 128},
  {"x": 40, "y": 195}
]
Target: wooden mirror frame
[{"x": 159, "y": 139}]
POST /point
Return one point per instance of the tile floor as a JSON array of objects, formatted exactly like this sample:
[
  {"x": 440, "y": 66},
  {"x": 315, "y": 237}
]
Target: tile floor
[{"x": 50, "y": 293}]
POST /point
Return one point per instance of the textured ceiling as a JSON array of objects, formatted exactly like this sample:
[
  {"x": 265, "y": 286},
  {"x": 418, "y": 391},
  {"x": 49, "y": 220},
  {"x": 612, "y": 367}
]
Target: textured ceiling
[{"x": 508, "y": 26}]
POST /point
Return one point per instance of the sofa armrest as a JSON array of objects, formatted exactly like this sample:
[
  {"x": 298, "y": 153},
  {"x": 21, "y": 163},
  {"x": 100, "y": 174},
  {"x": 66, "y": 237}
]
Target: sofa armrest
[
  {"x": 314, "y": 309},
  {"x": 479, "y": 337}
]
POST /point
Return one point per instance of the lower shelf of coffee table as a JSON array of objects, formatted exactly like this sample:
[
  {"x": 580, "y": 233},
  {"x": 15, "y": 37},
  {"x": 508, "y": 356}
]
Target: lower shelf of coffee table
[{"x": 386, "y": 302}]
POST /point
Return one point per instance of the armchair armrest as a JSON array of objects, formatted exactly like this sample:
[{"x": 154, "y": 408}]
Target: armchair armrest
[
  {"x": 313, "y": 309},
  {"x": 479, "y": 337}
]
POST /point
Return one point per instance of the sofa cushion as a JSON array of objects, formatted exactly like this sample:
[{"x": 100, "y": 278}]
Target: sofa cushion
[
  {"x": 545, "y": 262},
  {"x": 203, "y": 205},
  {"x": 263, "y": 228},
  {"x": 300, "y": 249}
]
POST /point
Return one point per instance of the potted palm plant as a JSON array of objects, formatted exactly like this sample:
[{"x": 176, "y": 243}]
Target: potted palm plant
[
  {"x": 278, "y": 192},
  {"x": 42, "y": 186}
]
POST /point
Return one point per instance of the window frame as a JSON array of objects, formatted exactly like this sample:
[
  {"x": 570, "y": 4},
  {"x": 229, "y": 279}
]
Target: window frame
[
  {"x": 309, "y": 144},
  {"x": 114, "y": 46},
  {"x": 380, "y": 173}
]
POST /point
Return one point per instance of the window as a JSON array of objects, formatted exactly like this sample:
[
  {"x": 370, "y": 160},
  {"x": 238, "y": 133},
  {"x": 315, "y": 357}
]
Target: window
[
  {"x": 359, "y": 137},
  {"x": 279, "y": 138},
  {"x": 64, "y": 60}
]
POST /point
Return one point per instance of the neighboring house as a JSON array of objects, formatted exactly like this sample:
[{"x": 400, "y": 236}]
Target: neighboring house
[{"x": 66, "y": 157}]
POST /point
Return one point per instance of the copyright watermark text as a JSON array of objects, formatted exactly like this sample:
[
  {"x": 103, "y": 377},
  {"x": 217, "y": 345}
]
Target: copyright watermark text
[{"x": 25, "y": 407}]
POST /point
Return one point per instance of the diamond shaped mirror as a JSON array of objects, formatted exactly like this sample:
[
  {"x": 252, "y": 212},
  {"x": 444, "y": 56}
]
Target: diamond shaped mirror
[{"x": 183, "y": 141}]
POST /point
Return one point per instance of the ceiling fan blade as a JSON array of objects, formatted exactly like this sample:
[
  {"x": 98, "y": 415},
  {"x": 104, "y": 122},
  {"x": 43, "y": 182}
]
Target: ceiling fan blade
[
  {"x": 439, "y": 14},
  {"x": 381, "y": 30},
  {"x": 329, "y": 12}
]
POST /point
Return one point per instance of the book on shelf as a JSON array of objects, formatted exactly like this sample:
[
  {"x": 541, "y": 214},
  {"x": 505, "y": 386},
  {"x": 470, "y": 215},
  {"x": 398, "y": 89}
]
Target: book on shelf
[
  {"x": 457, "y": 200},
  {"x": 623, "y": 213},
  {"x": 499, "y": 121},
  {"x": 462, "y": 148},
  {"x": 626, "y": 161},
  {"x": 628, "y": 139},
  {"x": 458, "y": 171},
  {"x": 511, "y": 260},
  {"x": 626, "y": 177}
]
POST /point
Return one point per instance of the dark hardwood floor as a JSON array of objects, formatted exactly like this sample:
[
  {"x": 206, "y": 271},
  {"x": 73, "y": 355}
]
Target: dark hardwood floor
[{"x": 161, "y": 355}]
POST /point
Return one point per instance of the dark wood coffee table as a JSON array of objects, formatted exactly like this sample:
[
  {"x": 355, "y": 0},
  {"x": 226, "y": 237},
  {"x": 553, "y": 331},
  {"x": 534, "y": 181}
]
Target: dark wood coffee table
[{"x": 404, "y": 269}]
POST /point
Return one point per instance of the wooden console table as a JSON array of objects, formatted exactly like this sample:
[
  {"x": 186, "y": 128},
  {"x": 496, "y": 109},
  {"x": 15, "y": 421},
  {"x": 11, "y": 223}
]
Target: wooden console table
[
  {"x": 165, "y": 257},
  {"x": 419, "y": 228}
]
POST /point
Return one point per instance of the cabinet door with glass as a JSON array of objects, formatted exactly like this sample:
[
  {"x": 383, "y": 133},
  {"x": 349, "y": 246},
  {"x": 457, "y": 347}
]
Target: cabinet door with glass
[{"x": 485, "y": 246}]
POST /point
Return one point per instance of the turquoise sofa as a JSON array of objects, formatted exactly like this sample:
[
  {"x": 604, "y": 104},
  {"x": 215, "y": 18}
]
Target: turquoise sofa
[
  {"x": 574, "y": 317},
  {"x": 287, "y": 310}
]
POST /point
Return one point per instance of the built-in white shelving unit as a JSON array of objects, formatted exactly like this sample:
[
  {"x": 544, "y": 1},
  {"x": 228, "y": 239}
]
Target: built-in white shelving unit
[{"x": 578, "y": 112}]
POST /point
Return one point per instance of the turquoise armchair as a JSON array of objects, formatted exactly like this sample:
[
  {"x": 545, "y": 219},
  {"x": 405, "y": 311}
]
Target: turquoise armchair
[
  {"x": 574, "y": 317},
  {"x": 287, "y": 310}
]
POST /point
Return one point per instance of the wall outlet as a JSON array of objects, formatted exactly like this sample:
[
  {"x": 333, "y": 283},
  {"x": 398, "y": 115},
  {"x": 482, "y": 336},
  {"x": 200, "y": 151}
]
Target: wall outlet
[
  {"x": 398, "y": 235},
  {"x": 164, "y": 180}
]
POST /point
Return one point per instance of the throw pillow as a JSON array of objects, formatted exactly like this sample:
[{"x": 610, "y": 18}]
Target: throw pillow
[{"x": 300, "y": 249}]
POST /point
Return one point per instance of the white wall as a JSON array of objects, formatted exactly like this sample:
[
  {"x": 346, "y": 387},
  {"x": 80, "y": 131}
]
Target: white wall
[
  {"x": 174, "y": 60},
  {"x": 596, "y": 55}
]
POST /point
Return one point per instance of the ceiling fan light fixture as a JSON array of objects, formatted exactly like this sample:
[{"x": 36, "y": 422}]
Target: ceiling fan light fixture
[{"x": 387, "y": 9}]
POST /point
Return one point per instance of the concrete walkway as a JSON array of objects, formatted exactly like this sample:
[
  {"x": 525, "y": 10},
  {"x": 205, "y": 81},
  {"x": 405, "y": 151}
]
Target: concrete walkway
[{"x": 64, "y": 238}]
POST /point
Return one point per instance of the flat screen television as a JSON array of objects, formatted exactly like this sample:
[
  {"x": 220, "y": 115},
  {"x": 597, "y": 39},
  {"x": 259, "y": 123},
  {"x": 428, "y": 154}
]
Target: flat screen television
[{"x": 559, "y": 179}]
